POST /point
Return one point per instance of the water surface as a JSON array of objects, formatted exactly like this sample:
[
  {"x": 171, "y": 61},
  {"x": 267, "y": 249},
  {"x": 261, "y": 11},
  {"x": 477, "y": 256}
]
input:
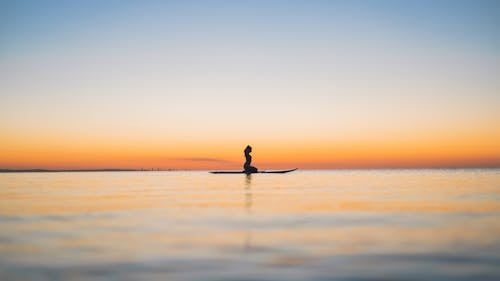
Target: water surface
[{"x": 306, "y": 225}]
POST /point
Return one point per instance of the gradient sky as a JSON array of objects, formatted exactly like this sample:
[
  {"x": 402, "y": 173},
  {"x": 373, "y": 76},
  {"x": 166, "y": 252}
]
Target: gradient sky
[{"x": 309, "y": 84}]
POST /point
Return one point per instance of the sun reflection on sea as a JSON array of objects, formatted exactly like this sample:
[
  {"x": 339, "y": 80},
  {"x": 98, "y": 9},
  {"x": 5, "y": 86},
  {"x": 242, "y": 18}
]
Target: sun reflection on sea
[{"x": 318, "y": 223}]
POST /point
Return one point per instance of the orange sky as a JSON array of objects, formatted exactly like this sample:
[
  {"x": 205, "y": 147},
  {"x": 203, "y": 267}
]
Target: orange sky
[
  {"x": 310, "y": 85},
  {"x": 474, "y": 150}
]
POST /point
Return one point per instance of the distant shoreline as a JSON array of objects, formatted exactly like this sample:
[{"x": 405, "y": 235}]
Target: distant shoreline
[
  {"x": 172, "y": 170},
  {"x": 79, "y": 170}
]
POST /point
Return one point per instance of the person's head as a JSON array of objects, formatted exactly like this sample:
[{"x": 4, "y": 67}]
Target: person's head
[{"x": 248, "y": 149}]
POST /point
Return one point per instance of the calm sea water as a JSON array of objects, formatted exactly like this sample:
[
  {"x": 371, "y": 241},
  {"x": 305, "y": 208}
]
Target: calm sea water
[{"x": 306, "y": 225}]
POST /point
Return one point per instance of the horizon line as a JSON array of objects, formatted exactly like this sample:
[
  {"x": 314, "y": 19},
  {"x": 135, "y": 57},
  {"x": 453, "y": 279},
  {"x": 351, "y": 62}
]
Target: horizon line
[{"x": 36, "y": 170}]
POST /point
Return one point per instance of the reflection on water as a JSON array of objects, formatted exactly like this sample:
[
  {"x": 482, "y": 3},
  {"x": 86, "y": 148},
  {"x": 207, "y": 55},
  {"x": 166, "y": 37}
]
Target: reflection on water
[
  {"x": 312, "y": 225},
  {"x": 248, "y": 193},
  {"x": 248, "y": 208}
]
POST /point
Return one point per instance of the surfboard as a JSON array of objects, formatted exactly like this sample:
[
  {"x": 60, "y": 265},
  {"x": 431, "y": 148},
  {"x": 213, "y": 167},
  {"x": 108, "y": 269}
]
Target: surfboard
[{"x": 259, "y": 172}]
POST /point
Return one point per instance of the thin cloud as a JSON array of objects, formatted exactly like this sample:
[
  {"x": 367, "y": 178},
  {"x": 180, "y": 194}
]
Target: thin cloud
[{"x": 203, "y": 159}]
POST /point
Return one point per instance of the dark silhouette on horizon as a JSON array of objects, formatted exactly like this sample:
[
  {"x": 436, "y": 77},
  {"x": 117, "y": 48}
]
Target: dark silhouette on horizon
[{"x": 247, "y": 168}]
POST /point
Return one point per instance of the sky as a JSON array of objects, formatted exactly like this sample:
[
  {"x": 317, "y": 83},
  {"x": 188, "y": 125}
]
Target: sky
[{"x": 309, "y": 84}]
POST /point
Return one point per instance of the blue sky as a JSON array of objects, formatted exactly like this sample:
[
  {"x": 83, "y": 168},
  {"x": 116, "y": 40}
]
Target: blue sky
[{"x": 46, "y": 23}]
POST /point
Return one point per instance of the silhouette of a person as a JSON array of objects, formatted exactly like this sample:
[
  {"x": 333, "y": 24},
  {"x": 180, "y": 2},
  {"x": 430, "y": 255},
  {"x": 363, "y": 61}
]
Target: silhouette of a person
[{"x": 248, "y": 160}]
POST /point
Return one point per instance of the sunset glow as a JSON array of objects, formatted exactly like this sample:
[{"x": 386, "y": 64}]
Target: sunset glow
[{"x": 309, "y": 84}]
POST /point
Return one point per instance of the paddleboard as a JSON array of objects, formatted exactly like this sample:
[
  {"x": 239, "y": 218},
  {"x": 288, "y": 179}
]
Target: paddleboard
[{"x": 259, "y": 172}]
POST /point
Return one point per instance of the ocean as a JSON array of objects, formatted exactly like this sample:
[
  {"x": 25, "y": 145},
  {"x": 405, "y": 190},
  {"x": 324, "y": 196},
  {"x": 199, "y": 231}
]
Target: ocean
[{"x": 306, "y": 225}]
